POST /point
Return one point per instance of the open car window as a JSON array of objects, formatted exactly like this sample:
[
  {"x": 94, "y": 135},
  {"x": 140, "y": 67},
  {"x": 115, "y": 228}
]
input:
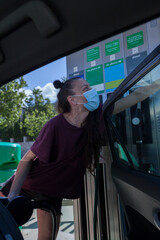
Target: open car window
[{"x": 139, "y": 125}]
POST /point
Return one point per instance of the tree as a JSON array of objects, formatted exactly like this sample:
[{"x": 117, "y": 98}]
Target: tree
[
  {"x": 11, "y": 104},
  {"x": 37, "y": 112},
  {"x": 63, "y": 79},
  {"x": 22, "y": 115}
]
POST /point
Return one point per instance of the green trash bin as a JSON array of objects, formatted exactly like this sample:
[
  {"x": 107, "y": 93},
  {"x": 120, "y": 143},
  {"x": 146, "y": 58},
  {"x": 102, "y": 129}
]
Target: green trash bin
[{"x": 10, "y": 155}]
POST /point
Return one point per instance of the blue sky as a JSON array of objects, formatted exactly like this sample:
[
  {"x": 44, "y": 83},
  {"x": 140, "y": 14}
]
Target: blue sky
[{"x": 43, "y": 78}]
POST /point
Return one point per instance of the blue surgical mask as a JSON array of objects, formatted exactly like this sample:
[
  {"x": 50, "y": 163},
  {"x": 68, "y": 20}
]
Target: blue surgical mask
[{"x": 92, "y": 98}]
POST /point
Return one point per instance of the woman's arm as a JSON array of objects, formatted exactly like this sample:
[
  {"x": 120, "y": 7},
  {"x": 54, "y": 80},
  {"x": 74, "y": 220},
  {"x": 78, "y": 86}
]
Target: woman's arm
[
  {"x": 138, "y": 95},
  {"x": 21, "y": 174}
]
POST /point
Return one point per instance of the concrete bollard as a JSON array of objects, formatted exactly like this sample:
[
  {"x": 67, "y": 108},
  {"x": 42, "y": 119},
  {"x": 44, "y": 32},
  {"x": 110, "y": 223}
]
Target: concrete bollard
[
  {"x": 11, "y": 140},
  {"x": 24, "y": 139}
]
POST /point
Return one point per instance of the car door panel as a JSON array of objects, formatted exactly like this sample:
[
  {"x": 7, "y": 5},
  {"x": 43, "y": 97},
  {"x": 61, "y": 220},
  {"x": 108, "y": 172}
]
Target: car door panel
[{"x": 136, "y": 159}]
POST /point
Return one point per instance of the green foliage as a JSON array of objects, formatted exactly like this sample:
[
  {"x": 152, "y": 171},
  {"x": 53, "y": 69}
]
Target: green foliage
[
  {"x": 34, "y": 122},
  {"x": 22, "y": 115},
  {"x": 38, "y": 111},
  {"x": 11, "y": 103}
]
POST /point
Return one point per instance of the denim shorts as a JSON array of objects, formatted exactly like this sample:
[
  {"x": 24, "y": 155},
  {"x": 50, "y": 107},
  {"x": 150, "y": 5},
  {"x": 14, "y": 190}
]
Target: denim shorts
[{"x": 56, "y": 203}]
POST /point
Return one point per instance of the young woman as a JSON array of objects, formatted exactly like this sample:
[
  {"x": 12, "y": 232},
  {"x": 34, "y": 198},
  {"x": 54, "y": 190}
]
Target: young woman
[{"x": 69, "y": 143}]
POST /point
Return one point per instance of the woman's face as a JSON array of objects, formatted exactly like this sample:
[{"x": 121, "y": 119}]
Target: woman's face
[{"x": 80, "y": 86}]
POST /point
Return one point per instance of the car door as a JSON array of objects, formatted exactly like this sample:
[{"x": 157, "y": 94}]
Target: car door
[{"x": 134, "y": 138}]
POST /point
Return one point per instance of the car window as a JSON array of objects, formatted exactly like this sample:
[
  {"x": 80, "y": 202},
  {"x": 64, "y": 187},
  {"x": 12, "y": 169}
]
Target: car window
[
  {"x": 118, "y": 151},
  {"x": 139, "y": 125}
]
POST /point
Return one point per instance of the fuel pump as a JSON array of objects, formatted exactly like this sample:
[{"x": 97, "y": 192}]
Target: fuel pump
[
  {"x": 137, "y": 121},
  {"x": 142, "y": 134}
]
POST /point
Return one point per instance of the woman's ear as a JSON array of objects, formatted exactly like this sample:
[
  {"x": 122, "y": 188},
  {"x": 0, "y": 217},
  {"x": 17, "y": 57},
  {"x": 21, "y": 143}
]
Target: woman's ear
[{"x": 71, "y": 100}]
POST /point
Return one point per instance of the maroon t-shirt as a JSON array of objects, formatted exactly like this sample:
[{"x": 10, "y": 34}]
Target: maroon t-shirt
[{"x": 60, "y": 166}]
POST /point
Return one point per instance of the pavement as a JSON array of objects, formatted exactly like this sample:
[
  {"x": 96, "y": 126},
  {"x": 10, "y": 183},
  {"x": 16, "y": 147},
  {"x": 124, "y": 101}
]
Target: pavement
[
  {"x": 66, "y": 230},
  {"x": 30, "y": 231}
]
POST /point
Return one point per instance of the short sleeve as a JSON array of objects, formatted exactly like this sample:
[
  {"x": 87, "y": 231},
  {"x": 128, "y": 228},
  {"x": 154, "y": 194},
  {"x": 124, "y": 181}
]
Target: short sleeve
[{"x": 43, "y": 146}]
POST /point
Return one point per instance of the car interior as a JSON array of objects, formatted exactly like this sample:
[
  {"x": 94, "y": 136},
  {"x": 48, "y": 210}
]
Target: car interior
[{"x": 34, "y": 33}]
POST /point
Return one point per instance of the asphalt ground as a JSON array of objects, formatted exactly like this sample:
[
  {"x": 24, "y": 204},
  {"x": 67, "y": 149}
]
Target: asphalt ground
[{"x": 30, "y": 230}]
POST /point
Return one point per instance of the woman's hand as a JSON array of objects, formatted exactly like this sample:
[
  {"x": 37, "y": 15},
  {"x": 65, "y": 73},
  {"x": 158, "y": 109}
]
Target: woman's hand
[{"x": 11, "y": 196}]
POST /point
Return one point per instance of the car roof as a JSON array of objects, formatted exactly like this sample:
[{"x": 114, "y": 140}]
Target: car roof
[{"x": 34, "y": 33}]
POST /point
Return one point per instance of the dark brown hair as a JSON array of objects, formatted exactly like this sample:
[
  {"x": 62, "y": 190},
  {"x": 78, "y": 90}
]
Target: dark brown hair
[
  {"x": 92, "y": 123},
  {"x": 95, "y": 138},
  {"x": 66, "y": 89}
]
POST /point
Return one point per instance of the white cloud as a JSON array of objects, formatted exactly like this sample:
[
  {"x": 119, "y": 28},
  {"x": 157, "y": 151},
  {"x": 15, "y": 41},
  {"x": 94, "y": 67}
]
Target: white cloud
[
  {"x": 49, "y": 91},
  {"x": 28, "y": 92}
]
